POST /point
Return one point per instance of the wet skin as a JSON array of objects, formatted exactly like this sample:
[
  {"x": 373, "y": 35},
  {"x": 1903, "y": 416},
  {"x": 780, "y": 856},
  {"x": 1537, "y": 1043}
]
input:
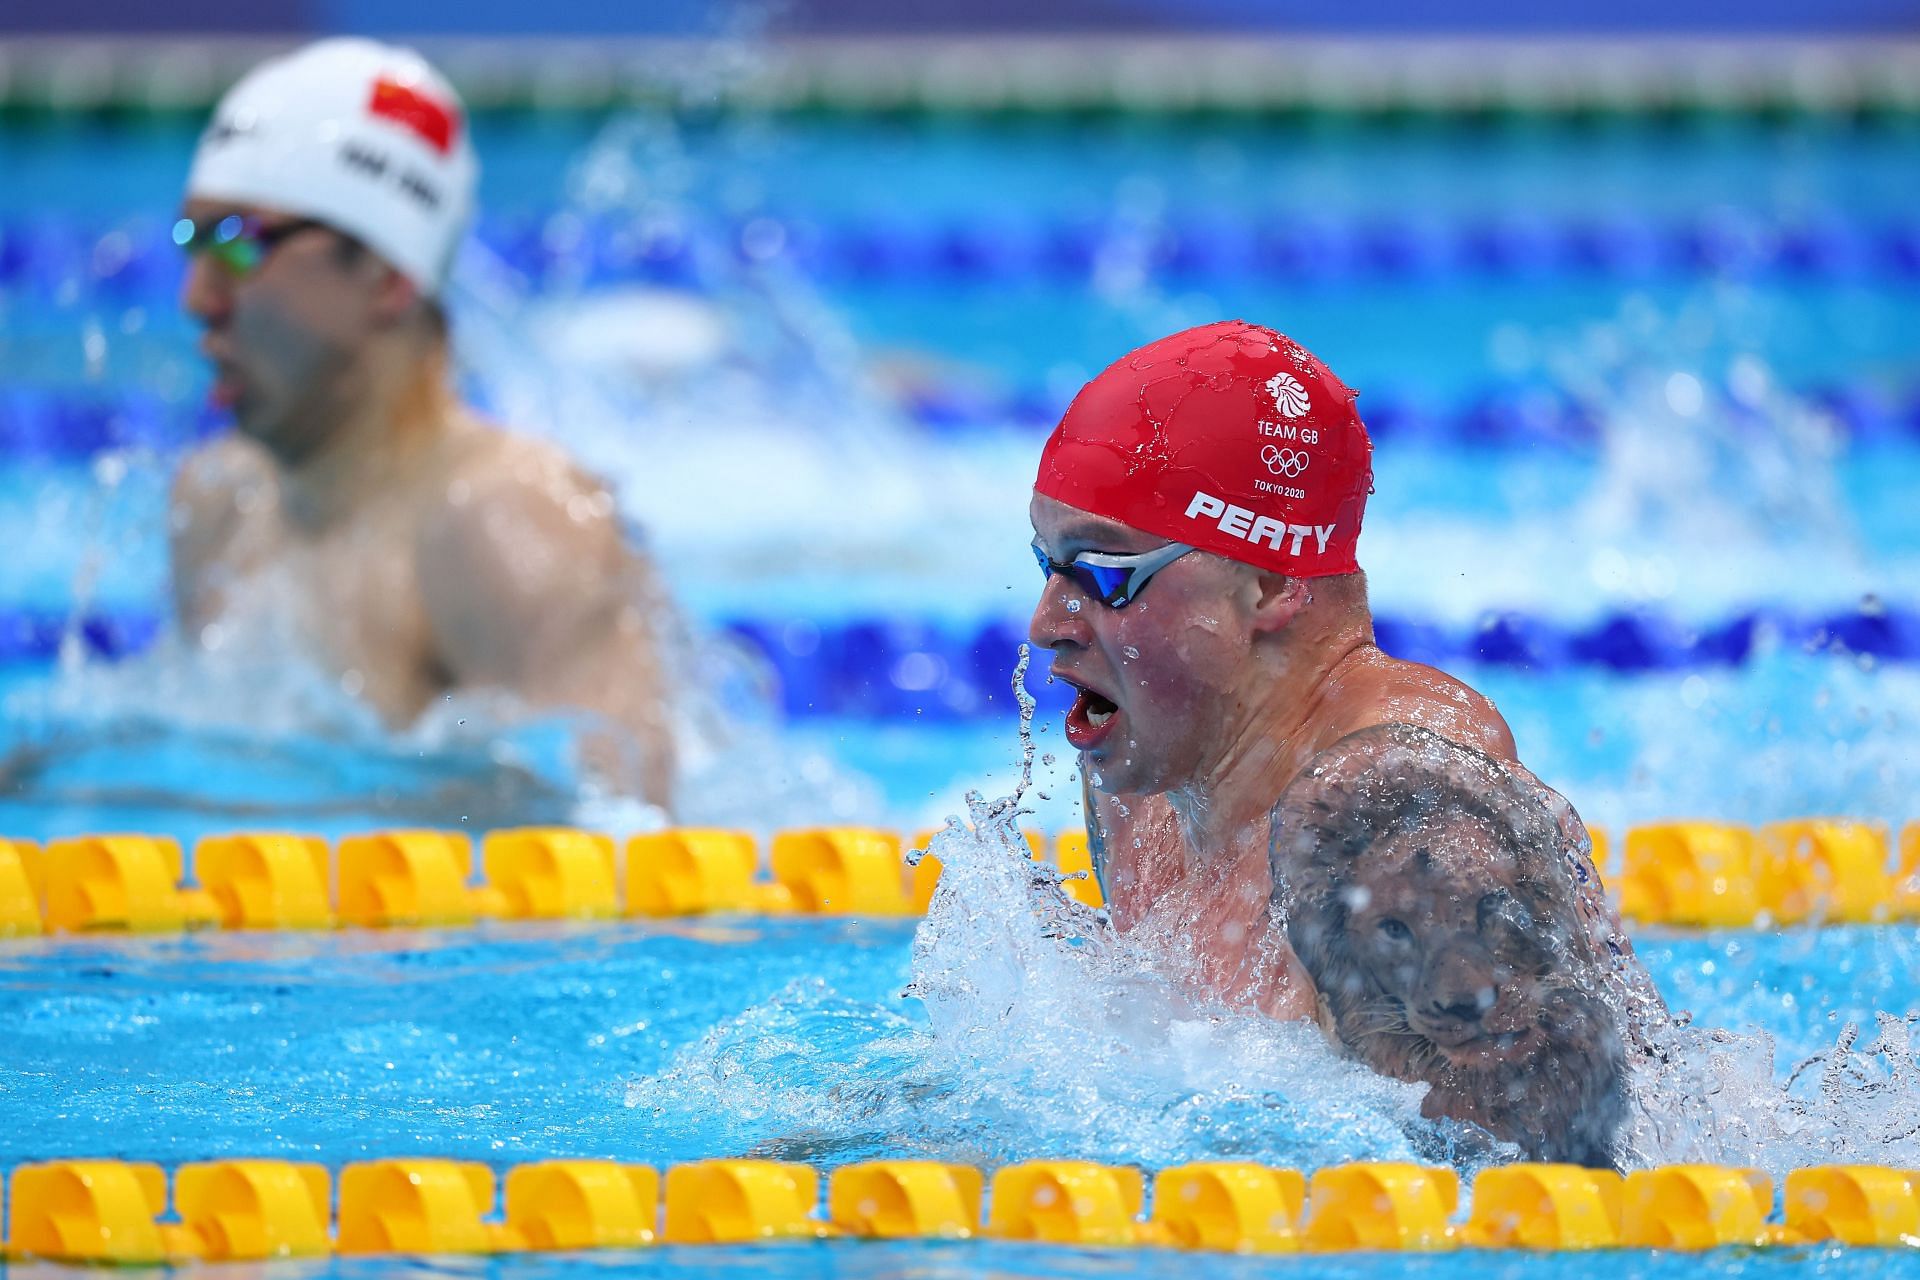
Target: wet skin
[
  {"x": 1429, "y": 892},
  {"x": 1221, "y": 683},
  {"x": 361, "y": 516}
]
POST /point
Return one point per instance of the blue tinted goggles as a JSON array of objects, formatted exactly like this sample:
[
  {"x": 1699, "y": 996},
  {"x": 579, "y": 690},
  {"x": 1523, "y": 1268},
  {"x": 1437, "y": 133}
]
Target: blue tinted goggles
[{"x": 1111, "y": 579}]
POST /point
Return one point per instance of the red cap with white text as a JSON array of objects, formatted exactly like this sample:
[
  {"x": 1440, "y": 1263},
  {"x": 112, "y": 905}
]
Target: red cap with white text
[{"x": 1230, "y": 437}]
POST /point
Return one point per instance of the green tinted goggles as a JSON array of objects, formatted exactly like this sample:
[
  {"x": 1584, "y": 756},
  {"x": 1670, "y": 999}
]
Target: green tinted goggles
[{"x": 238, "y": 242}]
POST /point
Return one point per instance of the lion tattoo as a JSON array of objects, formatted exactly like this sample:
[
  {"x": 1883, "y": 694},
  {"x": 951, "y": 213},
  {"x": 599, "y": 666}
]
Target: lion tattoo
[{"x": 1422, "y": 886}]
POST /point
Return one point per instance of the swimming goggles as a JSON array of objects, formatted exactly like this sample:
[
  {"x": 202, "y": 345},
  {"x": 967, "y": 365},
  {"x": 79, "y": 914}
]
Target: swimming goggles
[
  {"x": 238, "y": 242},
  {"x": 1111, "y": 579}
]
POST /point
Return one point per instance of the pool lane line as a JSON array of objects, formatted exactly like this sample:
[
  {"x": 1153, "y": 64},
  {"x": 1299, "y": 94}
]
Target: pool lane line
[{"x": 1797, "y": 873}]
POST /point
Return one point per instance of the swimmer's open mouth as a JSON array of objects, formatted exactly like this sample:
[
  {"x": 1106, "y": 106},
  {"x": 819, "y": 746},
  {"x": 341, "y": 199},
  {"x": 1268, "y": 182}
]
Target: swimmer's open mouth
[
  {"x": 224, "y": 391},
  {"x": 1091, "y": 717}
]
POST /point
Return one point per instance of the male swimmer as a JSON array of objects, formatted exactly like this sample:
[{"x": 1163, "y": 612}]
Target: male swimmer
[
  {"x": 1197, "y": 513},
  {"x": 360, "y": 508}
]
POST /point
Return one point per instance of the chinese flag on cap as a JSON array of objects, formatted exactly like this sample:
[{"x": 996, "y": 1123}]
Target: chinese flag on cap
[{"x": 434, "y": 122}]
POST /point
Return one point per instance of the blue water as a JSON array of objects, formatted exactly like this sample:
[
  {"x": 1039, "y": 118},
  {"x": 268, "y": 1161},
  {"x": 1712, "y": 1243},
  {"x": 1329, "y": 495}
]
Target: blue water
[
  {"x": 1074, "y": 240},
  {"x": 665, "y": 1043},
  {"x": 514, "y": 1043},
  {"x": 1423, "y": 331},
  {"x": 1690, "y": 522},
  {"x": 877, "y": 168},
  {"x": 991, "y": 1260},
  {"x": 1694, "y": 521}
]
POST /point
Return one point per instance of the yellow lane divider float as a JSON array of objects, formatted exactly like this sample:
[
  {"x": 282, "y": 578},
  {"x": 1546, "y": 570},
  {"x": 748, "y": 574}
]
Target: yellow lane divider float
[
  {"x": 278, "y": 880},
  {"x": 1690, "y": 874},
  {"x": 20, "y": 912},
  {"x": 107, "y": 1211},
  {"x": 1720, "y": 874}
]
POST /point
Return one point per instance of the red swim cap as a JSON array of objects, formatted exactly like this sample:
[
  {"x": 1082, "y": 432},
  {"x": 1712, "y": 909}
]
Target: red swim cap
[{"x": 1229, "y": 437}]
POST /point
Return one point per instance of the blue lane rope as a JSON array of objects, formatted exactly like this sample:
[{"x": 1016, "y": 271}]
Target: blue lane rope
[
  {"x": 134, "y": 264},
  {"x": 135, "y": 261},
  {"x": 911, "y": 668},
  {"x": 906, "y": 668}
]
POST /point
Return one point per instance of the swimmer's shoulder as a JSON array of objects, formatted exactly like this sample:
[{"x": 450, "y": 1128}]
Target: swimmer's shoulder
[
  {"x": 1392, "y": 690},
  {"x": 491, "y": 462},
  {"x": 218, "y": 489},
  {"x": 511, "y": 509},
  {"x": 220, "y": 469},
  {"x": 221, "y": 523}
]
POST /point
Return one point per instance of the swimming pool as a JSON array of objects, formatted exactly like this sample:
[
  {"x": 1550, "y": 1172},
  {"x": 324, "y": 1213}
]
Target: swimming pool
[
  {"x": 1652, "y": 373},
  {"x": 789, "y": 1039}
]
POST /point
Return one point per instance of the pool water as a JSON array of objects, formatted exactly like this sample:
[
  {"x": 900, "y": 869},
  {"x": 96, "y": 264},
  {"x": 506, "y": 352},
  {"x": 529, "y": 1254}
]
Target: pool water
[
  {"x": 664, "y": 1043},
  {"x": 990, "y": 1260},
  {"x": 668, "y": 1043},
  {"x": 1652, "y": 372}
]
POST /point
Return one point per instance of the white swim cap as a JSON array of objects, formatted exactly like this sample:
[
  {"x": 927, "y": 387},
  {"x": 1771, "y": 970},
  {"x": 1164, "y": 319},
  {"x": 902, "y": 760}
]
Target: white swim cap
[{"x": 362, "y": 136}]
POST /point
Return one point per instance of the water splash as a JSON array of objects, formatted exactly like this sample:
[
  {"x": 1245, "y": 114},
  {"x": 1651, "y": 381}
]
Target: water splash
[
  {"x": 1036, "y": 1030},
  {"x": 180, "y": 740},
  {"x": 1712, "y": 487},
  {"x": 1029, "y": 995},
  {"x": 1718, "y": 1096},
  {"x": 1700, "y": 445},
  {"x": 1789, "y": 734}
]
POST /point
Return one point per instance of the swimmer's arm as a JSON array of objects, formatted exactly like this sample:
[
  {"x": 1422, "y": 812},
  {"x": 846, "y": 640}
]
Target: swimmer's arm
[
  {"x": 1469, "y": 717},
  {"x": 1574, "y": 835},
  {"x": 530, "y": 587}
]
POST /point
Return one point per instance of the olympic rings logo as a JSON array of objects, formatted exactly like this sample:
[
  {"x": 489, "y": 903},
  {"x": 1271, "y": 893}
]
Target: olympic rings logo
[{"x": 1285, "y": 462}]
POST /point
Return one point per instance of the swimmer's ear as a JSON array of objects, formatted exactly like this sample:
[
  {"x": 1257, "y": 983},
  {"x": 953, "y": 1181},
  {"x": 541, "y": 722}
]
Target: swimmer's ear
[
  {"x": 1278, "y": 599},
  {"x": 395, "y": 297}
]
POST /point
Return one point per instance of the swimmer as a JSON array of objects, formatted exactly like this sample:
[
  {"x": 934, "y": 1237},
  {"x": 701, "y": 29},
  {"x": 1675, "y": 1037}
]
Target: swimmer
[
  {"x": 1197, "y": 514},
  {"x": 1421, "y": 886},
  {"x": 415, "y": 550}
]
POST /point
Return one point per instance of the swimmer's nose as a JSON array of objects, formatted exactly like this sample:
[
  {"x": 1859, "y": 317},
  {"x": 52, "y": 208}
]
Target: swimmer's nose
[
  {"x": 207, "y": 292},
  {"x": 1060, "y": 618}
]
